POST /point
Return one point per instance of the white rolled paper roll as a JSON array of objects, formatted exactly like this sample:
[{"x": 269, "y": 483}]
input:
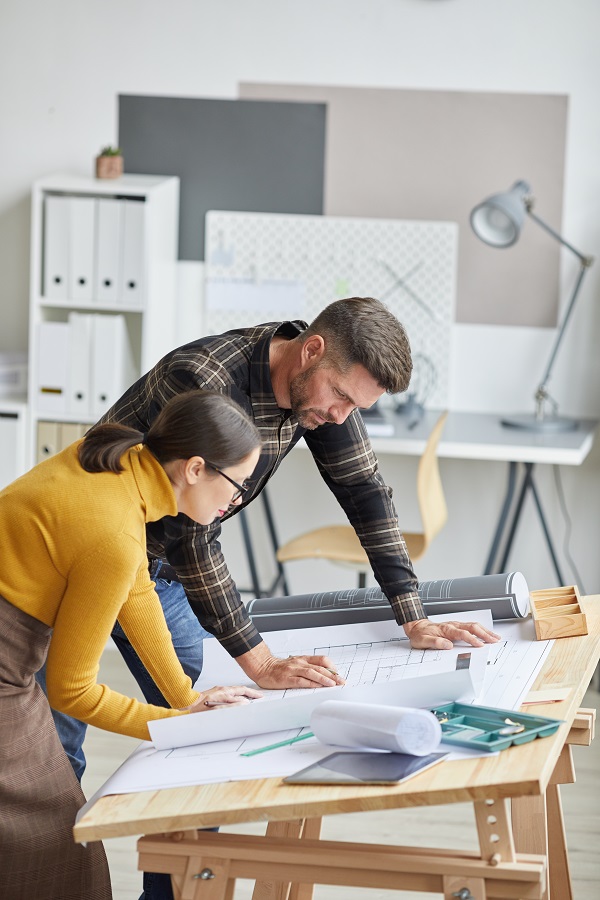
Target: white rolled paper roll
[{"x": 398, "y": 729}]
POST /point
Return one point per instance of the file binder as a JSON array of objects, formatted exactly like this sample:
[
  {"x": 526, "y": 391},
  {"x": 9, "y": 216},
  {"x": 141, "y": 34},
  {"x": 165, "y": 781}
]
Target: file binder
[
  {"x": 56, "y": 247},
  {"x": 48, "y": 438},
  {"x": 70, "y": 432},
  {"x": 113, "y": 368},
  {"x": 53, "y": 367},
  {"x": 82, "y": 215},
  {"x": 132, "y": 276},
  {"x": 79, "y": 381},
  {"x": 109, "y": 230}
]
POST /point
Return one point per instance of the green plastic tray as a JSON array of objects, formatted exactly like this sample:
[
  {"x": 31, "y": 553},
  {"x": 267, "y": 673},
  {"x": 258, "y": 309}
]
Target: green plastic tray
[{"x": 479, "y": 727}]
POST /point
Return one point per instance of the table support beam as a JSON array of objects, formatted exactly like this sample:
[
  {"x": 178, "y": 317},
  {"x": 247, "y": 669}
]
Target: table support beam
[{"x": 307, "y": 861}]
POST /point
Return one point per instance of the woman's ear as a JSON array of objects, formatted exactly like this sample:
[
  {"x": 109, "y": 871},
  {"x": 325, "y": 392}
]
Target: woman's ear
[{"x": 194, "y": 469}]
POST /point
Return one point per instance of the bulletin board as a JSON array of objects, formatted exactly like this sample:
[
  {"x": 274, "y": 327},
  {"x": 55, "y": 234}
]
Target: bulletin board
[
  {"x": 261, "y": 156},
  {"x": 264, "y": 268}
]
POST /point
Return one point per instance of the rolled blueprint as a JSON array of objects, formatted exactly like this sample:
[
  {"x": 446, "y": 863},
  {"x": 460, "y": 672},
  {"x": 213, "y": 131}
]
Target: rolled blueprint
[
  {"x": 505, "y": 594},
  {"x": 395, "y": 728}
]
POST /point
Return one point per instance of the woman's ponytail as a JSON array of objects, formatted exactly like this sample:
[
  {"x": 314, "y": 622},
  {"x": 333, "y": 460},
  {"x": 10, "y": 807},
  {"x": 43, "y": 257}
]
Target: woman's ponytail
[{"x": 104, "y": 445}]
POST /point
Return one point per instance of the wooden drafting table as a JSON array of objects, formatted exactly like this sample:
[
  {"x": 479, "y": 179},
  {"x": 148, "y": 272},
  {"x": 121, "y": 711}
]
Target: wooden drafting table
[{"x": 522, "y": 842}]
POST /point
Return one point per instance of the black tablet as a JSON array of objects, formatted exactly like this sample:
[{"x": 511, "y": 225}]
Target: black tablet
[{"x": 363, "y": 767}]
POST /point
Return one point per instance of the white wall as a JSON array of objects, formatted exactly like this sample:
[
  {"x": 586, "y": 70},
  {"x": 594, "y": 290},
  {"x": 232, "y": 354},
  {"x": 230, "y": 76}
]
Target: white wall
[{"x": 63, "y": 63}]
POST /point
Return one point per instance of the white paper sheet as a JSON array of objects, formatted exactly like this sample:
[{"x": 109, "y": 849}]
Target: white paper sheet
[
  {"x": 513, "y": 665},
  {"x": 373, "y": 657}
]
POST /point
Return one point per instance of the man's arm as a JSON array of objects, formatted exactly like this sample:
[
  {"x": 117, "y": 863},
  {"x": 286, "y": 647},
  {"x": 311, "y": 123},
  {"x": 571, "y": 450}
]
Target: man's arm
[
  {"x": 346, "y": 461},
  {"x": 195, "y": 553}
]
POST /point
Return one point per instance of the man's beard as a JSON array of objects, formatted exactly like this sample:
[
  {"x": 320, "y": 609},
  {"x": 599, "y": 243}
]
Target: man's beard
[{"x": 299, "y": 394}]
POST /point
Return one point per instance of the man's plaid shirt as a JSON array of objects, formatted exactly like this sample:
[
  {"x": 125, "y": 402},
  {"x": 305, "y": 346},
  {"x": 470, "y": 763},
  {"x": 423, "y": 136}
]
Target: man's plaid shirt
[{"x": 237, "y": 363}]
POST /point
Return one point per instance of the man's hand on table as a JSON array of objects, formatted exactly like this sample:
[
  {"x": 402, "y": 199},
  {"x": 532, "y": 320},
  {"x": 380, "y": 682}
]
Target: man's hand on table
[
  {"x": 272, "y": 672},
  {"x": 427, "y": 635}
]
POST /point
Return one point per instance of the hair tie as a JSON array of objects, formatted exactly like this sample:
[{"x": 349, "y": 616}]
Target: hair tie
[{"x": 144, "y": 437}]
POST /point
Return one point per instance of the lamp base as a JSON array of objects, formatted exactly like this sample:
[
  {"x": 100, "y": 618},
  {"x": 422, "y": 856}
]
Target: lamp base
[{"x": 549, "y": 425}]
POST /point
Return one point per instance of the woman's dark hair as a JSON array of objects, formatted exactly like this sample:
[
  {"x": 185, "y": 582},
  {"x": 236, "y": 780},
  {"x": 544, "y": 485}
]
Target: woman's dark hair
[{"x": 196, "y": 423}]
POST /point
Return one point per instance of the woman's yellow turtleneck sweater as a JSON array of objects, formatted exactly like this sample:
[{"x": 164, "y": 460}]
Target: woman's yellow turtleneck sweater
[{"x": 74, "y": 557}]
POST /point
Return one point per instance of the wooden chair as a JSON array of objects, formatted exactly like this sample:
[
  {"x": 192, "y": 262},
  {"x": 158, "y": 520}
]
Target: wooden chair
[{"x": 339, "y": 543}]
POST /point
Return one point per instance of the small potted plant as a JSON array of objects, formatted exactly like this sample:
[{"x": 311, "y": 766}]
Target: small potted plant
[{"x": 109, "y": 163}]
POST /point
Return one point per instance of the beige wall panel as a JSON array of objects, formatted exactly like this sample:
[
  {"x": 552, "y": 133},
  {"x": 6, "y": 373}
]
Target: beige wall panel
[{"x": 417, "y": 154}]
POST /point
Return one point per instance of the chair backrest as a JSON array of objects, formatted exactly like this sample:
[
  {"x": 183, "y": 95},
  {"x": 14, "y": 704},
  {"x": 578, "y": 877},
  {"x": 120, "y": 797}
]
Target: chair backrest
[{"x": 430, "y": 493}]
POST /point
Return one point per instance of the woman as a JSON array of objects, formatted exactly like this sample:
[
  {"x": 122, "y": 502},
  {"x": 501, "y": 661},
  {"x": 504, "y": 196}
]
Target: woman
[{"x": 82, "y": 511}]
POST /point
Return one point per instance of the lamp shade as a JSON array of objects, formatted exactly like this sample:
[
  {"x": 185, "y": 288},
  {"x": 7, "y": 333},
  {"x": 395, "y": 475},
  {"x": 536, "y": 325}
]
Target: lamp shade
[{"x": 498, "y": 220}]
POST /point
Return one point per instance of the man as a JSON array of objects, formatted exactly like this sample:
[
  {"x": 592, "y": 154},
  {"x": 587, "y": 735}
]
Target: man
[{"x": 294, "y": 381}]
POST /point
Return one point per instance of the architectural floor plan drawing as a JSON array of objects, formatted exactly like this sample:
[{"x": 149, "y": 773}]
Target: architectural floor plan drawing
[
  {"x": 371, "y": 662},
  {"x": 374, "y": 657},
  {"x": 509, "y": 668}
]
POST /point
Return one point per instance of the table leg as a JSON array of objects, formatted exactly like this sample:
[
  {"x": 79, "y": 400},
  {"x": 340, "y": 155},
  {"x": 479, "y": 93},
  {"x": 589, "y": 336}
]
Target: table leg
[
  {"x": 538, "y": 827},
  {"x": 559, "y": 873},
  {"x": 464, "y": 888},
  {"x": 278, "y": 890},
  {"x": 207, "y": 866}
]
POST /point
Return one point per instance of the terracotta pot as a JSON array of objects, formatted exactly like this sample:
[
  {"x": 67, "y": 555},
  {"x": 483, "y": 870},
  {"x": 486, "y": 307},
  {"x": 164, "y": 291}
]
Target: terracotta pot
[{"x": 109, "y": 166}]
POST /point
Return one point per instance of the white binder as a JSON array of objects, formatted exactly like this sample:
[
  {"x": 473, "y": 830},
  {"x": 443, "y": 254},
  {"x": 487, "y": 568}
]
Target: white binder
[
  {"x": 113, "y": 368},
  {"x": 82, "y": 215},
  {"x": 109, "y": 233},
  {"x": 132, "y": 274},
  {"x": 53, "y": 367},
  {"x": 79, "y": 399},
  {"x": 56, "y": 247}
]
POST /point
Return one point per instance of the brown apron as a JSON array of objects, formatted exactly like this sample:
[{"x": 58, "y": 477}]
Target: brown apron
[{"x": 39, "y": 793}]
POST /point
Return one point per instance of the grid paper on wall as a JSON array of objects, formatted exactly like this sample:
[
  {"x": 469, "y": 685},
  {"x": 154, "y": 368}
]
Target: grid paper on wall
[{"x": 263, "y": 267}]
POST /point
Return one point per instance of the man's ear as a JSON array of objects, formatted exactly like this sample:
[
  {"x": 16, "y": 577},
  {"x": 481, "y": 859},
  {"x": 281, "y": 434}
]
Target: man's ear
[{"x": 313, "y": 350}]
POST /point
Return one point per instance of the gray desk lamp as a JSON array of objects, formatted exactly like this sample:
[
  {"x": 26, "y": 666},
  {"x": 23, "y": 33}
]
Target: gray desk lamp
[{"x": 498, "y": 222}]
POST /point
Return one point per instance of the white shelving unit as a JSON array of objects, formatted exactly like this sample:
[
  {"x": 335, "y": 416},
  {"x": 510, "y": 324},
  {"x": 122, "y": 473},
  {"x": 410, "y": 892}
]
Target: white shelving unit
[
  {"x": 13, "y": 438},
  {"x": 102, "y": 298}
]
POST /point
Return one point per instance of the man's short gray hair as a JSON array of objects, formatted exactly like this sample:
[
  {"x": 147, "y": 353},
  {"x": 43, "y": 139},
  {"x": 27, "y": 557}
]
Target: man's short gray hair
[{"x": 363, "y": 331}]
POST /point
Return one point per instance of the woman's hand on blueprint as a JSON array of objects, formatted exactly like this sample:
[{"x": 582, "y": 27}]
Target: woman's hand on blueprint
[
  {"x": 234, "y": 695},
  {"x": 426, "y": 635}
]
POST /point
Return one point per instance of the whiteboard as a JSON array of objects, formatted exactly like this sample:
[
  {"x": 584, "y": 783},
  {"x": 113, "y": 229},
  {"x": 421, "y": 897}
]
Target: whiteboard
[{"x": 263, "y": 267}]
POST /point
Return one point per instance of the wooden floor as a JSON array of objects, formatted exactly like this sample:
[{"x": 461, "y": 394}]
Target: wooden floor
[{"x": 450, "y": 826}]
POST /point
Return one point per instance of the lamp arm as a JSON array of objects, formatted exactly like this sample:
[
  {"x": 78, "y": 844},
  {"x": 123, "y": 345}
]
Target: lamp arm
[
  {"x": 541, "y": 391},
  {"x": 586, "y": 261},
  {"x": 541, "y": 395}
]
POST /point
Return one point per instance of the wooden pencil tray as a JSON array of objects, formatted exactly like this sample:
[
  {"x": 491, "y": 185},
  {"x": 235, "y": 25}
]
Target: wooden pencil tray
[{"x": 557, "y": 613}]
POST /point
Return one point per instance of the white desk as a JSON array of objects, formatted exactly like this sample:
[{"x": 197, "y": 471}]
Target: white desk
[
  {"x": 478, "y": 436},
  {"x": 481, "y": 436}
]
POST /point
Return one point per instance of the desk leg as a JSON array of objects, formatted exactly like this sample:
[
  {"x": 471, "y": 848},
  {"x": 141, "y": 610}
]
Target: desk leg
[
  {"x": 271, "y": 890},
  {"x": 528, "y": 484},
  {"x": 538, "y": 827},
  {"x": 508, "y": 498}
]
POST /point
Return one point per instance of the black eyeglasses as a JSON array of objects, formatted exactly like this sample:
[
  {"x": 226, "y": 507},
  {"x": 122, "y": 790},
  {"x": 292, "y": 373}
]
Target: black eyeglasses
[{"x": 240, "y": 488}]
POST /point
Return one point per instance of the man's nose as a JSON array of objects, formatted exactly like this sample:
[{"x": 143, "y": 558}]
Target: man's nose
[{"x": 341, "y": 412}]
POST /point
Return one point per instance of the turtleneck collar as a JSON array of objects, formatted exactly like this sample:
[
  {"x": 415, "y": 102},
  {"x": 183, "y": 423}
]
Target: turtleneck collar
[{"x": 152, "y": 482}]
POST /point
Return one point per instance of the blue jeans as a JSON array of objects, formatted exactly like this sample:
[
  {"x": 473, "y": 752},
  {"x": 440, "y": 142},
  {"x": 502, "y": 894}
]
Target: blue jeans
[{"x": 187, "y": 634}]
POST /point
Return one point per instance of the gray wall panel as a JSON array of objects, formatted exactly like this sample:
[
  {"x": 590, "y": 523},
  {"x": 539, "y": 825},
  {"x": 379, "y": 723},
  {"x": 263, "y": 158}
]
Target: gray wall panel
[{"x": 230, "y": 154}]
